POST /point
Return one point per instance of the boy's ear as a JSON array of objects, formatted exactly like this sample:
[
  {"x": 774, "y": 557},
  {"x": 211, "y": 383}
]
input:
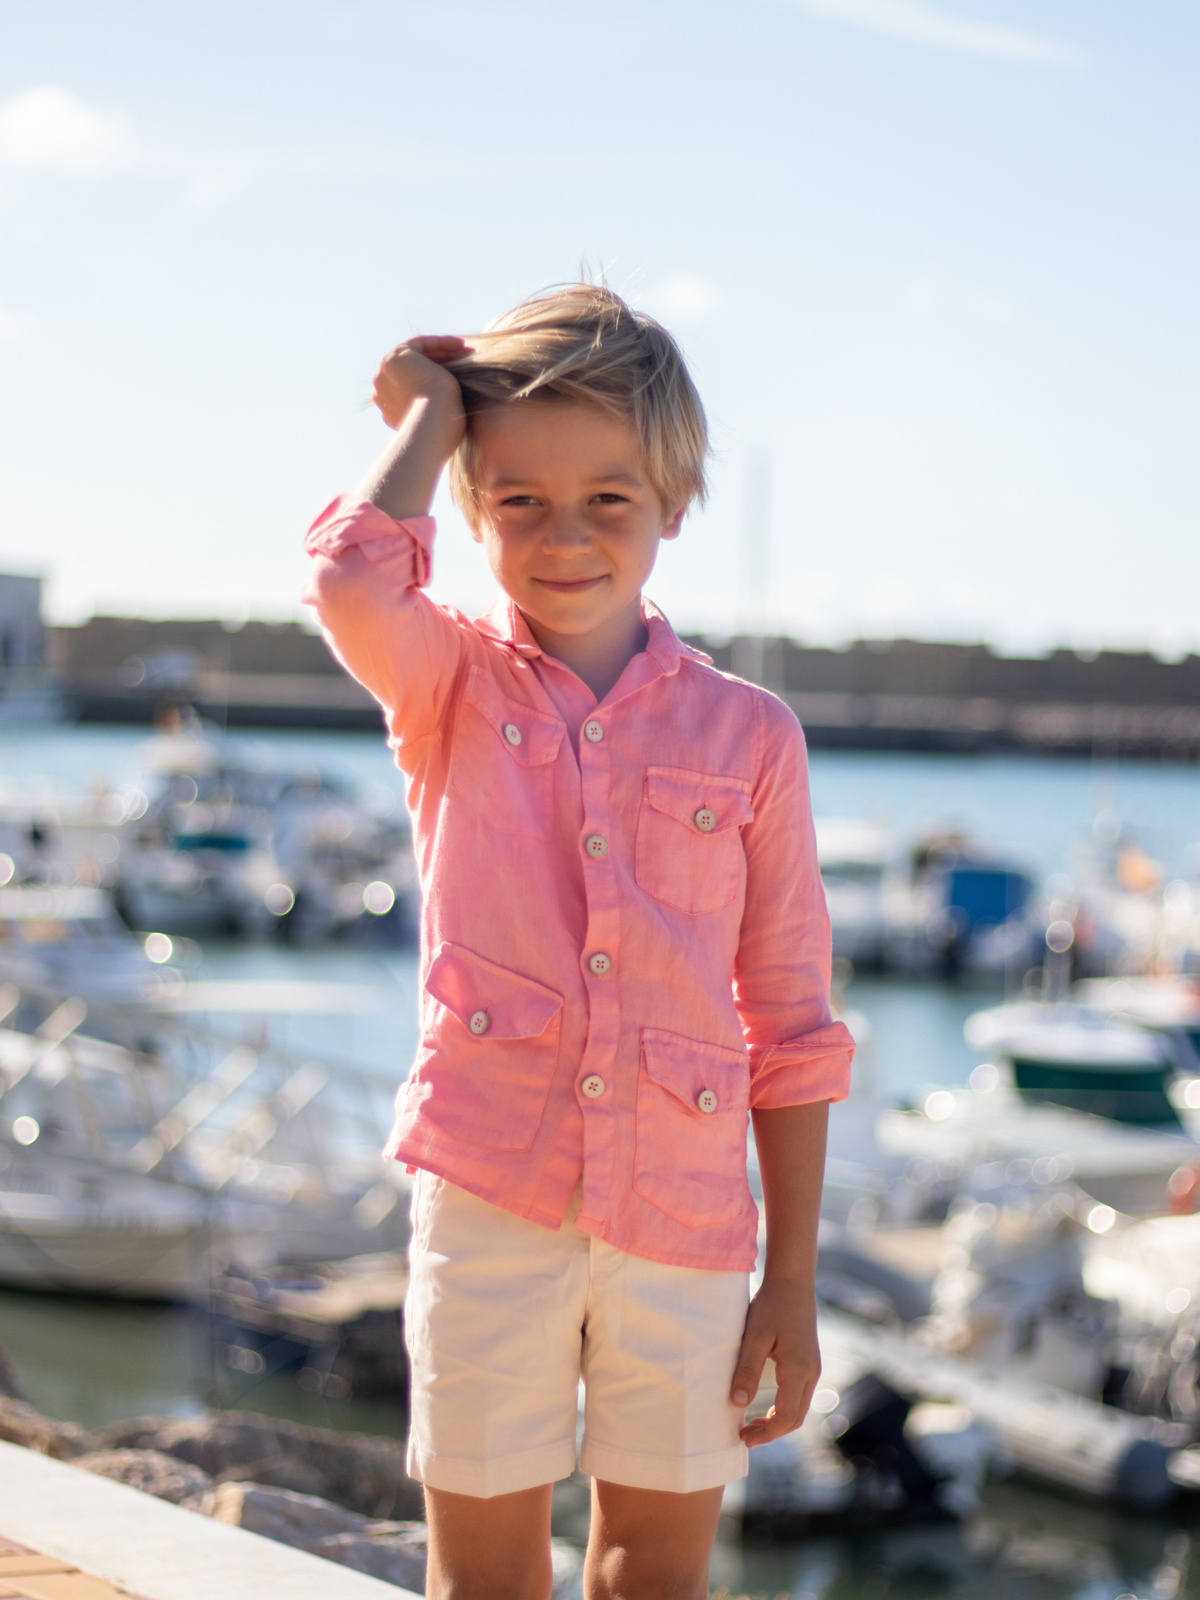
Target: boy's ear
[{"x": 672, "y": 527}]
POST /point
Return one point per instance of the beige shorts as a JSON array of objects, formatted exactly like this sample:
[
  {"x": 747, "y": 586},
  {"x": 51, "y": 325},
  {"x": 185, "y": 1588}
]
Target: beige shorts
[{"x": 503, "y": 1321}]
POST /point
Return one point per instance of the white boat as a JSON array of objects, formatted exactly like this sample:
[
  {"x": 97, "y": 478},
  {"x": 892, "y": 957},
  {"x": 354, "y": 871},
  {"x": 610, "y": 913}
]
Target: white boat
[
  {"x": 855, "y": 857},
  {"x": 70, "y": 940},
  {"x": 1081, "y": 1056},
  {"x": 226, "y": 845},
  {"x": 141, "y": 1171}
]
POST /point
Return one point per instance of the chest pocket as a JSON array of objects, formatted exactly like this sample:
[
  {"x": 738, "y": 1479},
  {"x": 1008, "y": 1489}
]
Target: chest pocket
[
  {"x": 503, "y": 758},
  {"x": 689, "y": 848}
]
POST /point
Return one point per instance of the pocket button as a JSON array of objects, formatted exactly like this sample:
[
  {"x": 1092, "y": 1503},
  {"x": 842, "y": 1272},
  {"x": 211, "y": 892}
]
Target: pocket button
[
  {"x": 706, "y": 1101},
  {"x": 593, "y": 1087},
  {"x": 512, "y": 733},
  {"x": 705, "y": 820},
  {"x": 597, "y": 845},
  {"x": 480, "y": 1022}
]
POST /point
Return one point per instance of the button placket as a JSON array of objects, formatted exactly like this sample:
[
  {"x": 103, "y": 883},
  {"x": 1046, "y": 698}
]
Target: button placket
[
  {"x": 596, "y": 846},
  {"x": 599, "y": 964},
  {"x": 593, "y": 730},
  {"x": 593, "y": 1086}
]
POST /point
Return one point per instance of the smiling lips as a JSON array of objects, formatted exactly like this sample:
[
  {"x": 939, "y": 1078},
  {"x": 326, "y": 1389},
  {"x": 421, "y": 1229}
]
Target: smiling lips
[{"x": 570, "y": 585}]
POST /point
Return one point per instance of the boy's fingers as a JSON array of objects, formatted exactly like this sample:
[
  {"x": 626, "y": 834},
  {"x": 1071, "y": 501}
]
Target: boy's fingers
[
  {"x": 792, "y": 1400},
  {"x": 752, "y": 1358}
]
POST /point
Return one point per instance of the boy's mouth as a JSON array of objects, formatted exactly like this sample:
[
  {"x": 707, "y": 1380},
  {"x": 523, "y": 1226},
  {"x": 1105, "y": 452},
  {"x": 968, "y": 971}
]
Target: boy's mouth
[{"x": 569, "y": 585}]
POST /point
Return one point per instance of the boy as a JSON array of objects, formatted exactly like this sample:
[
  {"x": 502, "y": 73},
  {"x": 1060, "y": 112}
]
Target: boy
[{"x": 624, "y": 951}]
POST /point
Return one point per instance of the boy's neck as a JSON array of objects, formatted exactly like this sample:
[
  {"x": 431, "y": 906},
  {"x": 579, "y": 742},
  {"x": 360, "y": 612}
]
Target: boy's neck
[{"x": 600, "y": 656}]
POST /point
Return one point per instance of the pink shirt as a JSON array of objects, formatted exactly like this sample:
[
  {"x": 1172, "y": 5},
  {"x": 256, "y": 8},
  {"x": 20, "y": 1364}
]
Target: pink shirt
[{"x": 624, "y": 943}]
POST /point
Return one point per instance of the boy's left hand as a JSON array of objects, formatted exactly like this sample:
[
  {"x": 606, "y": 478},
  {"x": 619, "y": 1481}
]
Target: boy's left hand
[{"x": 781, "y": 1324}]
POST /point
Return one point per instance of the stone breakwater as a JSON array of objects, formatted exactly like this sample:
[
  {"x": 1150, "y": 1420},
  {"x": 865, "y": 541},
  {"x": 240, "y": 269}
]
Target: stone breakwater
[{"x": 343, "y": 1497}]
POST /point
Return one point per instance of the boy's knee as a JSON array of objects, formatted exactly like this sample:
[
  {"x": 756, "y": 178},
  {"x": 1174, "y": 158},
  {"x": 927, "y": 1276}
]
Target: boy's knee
[{"x": 633, "y": 1574}]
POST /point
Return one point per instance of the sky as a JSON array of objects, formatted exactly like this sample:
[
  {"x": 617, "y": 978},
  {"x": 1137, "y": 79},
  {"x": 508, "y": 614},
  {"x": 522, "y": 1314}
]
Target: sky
[{"x": 934, "y": 264}]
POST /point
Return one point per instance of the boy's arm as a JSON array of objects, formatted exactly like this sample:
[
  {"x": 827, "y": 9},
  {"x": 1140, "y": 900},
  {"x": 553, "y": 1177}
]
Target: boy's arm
[
  {"x": 799, "y": 1062},
  {"x": 372, "y": 550},
  {"x": 782, "y": 1320}
]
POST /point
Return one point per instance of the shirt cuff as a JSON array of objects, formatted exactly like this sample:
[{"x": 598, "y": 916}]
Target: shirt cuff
[
  {"x": 800, "y": 1072},
  {"x": 348, "y": 522}
]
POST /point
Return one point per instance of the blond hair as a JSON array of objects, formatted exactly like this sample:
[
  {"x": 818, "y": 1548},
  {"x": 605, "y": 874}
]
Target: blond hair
[{"x": 583, "y": 342}]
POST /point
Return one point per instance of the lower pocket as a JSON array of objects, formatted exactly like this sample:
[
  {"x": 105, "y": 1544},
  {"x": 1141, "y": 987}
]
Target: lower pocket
[
  {"x": 488, "y": 1053},
  {"x": 690, "y": 1148}
]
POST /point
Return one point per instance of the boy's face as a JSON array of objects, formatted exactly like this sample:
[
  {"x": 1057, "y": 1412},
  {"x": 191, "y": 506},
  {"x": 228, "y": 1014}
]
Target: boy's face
[{"x": 569, "y": 521}]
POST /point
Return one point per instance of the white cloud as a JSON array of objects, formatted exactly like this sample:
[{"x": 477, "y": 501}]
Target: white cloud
[
  {"x": 919, "y": 22},
  {"x": 682, "y": 298},
  {"x": 51, "y": 130}
]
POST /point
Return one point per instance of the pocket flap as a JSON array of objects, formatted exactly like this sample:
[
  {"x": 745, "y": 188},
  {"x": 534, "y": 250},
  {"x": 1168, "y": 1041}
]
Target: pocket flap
[
  {"x": 684, "y": 795},
  {"x": 706, "y": 1077},
  {"x": 470, "y": 986},
  {"x": 530, "y": 737}
]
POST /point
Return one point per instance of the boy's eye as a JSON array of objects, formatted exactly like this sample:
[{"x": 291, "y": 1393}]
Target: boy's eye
[
  {"x": 518, "y": 500},
  {"x": 612, "y": 499}
]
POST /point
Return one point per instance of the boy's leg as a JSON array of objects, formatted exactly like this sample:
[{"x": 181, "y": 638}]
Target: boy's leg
[
  {"x": 646, "y": 1544},
  {"x": 495, "y": 1549}
]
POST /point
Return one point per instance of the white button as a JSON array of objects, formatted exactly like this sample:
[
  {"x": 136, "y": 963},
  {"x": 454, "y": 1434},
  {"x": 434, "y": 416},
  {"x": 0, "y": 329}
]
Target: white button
[
  {"x": 480, "y": 1022},
  {"x": 593, "y": 730},
  {"x": 512, "y": 733},
  {"x": 706, "y": 1100},
  {"x": 593, "y": 1087},
  {"x": 705, "y": 820},
  {"x": 599, "y": 963},
  {"x": 597, "y": 845}
]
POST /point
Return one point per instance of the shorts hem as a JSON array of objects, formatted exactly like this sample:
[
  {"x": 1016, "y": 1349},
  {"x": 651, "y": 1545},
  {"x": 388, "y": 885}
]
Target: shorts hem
[
  {"x": 485, "y": 1479},
  {"x": 674, "y": 1474}
]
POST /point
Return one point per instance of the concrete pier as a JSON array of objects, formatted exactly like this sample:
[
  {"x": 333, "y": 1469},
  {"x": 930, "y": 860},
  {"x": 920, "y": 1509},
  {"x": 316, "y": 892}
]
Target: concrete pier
[{"x": 102, "y": 1541}]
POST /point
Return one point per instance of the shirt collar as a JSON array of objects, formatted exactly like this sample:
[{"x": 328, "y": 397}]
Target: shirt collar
[{"x": 503, "y": 621}]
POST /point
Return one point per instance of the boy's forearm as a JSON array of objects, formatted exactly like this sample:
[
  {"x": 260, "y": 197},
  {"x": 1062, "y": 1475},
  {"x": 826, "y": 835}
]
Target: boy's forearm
[
  {"x": 791, "y": 1158},
  {"x": 402, "y": 482}
]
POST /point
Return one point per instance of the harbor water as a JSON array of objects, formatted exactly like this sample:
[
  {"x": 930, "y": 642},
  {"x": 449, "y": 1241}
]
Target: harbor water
[{"x": 95, "y": 1362}]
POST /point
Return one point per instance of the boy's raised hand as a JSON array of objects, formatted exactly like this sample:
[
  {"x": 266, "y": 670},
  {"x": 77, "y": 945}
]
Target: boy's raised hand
[
  {"x": 422, "y": 402},
  {"x": 415, "y": 370}
]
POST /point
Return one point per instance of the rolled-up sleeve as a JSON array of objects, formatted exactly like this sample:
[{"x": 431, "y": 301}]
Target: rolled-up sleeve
[
  {"x": 798, "y": 1054},
  {"x": 365, "y": 586}
]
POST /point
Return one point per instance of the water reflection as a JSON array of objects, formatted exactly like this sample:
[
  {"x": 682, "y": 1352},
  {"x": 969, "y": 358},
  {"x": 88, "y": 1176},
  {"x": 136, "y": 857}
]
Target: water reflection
[{"x": 1023, "y": 1545}]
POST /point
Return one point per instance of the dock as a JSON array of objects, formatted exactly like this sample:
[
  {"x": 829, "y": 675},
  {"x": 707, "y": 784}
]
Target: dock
[{"x": 68, "y": 1535}]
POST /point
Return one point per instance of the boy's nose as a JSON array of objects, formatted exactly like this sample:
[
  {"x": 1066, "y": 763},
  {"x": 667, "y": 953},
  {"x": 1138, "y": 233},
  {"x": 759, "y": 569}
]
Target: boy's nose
[{"x": 565, "y": 531}]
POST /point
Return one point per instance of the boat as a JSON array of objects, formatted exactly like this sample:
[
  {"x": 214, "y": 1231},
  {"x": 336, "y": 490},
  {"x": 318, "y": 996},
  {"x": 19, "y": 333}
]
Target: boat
[
  {"x": 855, "y": 857},
  {"x": 140, "y": 1169},
  {"x": 227, "y": 845},
  {"x": 69, "y": 940},
  {"x": 1085, "y": 1056},
  {"x": 958, "y": 908}
]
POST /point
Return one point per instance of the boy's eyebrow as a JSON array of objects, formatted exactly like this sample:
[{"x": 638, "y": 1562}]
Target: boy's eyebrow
[{"x": 617, "y": 475}]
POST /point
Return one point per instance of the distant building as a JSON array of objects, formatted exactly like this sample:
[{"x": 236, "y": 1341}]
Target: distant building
[
  {"x": 27, "y": 690},
  {"x": 22, "y": 632}
]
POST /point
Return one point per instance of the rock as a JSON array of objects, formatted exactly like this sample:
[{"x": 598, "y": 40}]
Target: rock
[
  {"x": 153, "y": 1473},
  {"x": 10, "y": 1389},
  {"x": 281, "y": 1514},
  {"x": 361, "y": 1473},
  {"x": 394, "y": 1552},
  {"x": 21, "y": 1424}
]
